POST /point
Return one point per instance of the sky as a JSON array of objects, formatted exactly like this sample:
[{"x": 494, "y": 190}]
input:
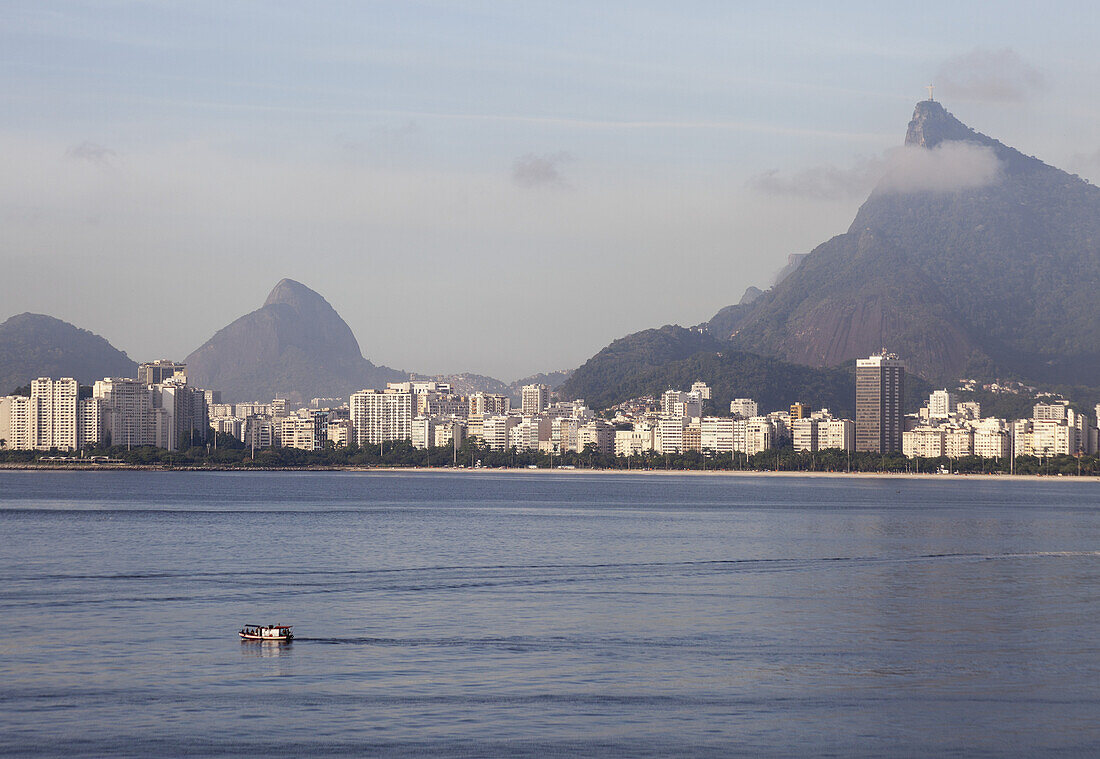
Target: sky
[{"x": 491, "y": 187}]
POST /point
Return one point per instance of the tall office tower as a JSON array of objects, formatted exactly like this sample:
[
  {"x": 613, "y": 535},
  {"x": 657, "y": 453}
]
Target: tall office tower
[
  {"x": 534, "y": 399},
  {"x": 53, "y": 414},
  {"x": 161, "y": 370},
  {"x": 880, "y": 388},
  {"x": 378, "y": 415}
]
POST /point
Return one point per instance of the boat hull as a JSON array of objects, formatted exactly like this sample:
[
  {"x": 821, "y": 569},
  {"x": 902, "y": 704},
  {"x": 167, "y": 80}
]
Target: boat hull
[{"x": 284, "y": 639}]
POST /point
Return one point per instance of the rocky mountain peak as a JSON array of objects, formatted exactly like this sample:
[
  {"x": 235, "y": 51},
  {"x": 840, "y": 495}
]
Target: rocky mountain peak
[
  {"x": 293, "y": 293},
  {"x": 932, "y": 124}
]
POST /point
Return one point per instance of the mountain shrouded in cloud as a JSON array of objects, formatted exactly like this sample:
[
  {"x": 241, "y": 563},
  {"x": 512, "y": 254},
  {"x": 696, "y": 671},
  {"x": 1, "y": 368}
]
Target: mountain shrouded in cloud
[
  {"x": 968, "y": 257},
  {"x": 295, "y": 346}
]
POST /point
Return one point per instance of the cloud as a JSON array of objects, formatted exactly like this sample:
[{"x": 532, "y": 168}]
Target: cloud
[
  {"x": 92, "y": 153},
  {"x": 992, "y": 75},
  {"x": 532, "y": 171},
  {"x": 948, "y": 167},
  {"x": 822, "y": 182}
]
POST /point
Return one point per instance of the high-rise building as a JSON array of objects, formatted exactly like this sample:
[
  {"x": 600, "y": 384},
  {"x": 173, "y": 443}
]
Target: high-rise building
[
  {"x": 53, "y": 414},
  {"x": 534, "y": 399},
  {"x": 184, "y": 413},
  {"x": 90, "y": 422},
  {"x": 161, "y": 370},
  {"x": 799, "y": 410},
  {"x": 129, "y": 417},
  {"x": 378, "y": 415},
  {"x": 744, "y": 408},
  {"x": 941, "y": 404},
  {"x": 489, "y": 404},
  {"x": 880, "y": 388},
  {"x": 701, "y": 390}
]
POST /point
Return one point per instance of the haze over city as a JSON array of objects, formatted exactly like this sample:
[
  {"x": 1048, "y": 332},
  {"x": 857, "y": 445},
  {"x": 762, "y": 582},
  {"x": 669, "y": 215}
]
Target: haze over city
[{"x": 473, "y": 186}]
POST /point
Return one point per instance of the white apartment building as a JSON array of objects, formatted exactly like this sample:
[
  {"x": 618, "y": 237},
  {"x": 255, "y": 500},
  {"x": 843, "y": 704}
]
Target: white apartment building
[
  {"x": 129, "y": 417},
  {"x": 836, "y": 433},
  {"x": 307, "y": 430},
  {"x": 701, "y": 391},
  {"x": 15, "y": 422},
  {"x": 804, "y": 435},
  {"x": 744, "y": 408},
  {"x": 90, "y": 422},
  {"x": 534, "y": 399},
  {"x": 260, "y": 431},
  {"x": 716, "y": 434},
  {"x": 565, "y": 433},
  {"x": 494, "y": 431},
  {"x": 422, "y": 432},
  {"x": 926, "y": 442},
  {"x": 636, "y": 441},
  {"x": 489, "y": 404},
  {"x": 941, "y": 404},
  {"x": 958, "y": 442},
  {"x": 378, "y": 415},
  {"x": 676, "y": 403},
  {"x": 184, "y": 413},
  {"x": 759, "y": 434},
  {"x": 530, "y": 432},
  {"x": 255, "y": 408},
  {"x": 53, "y": 415},
  {"x": 670, "y": 430},
  {"x": 227, "y": 425},
  {"x": 992, "y": 440},
  {"x": 597, "y": 432},
  {"x": 450, "y": 432}
]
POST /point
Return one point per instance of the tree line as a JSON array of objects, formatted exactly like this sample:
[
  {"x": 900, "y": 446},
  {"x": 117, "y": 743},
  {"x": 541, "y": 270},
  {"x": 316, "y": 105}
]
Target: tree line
[{"x": 228, "y": 452}]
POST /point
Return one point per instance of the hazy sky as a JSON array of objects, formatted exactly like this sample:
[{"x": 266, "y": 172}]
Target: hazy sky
[{"x": 496, "y": 187}]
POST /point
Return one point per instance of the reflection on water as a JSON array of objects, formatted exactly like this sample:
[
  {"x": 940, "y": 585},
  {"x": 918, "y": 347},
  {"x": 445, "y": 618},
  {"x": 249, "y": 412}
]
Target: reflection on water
[
  {"x": 266, "y": 648},
  {"x": 542, "y": 615}
]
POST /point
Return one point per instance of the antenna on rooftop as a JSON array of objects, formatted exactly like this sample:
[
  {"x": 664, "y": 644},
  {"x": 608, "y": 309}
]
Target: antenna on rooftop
[{"x": 930, "y": 87}]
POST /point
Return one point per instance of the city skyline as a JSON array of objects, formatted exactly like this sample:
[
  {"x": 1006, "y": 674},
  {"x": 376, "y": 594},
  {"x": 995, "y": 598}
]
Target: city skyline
[{"x": 519, "y": 169}]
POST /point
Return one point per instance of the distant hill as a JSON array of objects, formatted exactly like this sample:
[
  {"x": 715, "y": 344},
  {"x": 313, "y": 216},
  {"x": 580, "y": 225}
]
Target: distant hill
[
  {"x": 959, "y": 274},
  {"x": 36, "y": 345},
  {"x": 295, "y": 346},
  {"x": 468, "y": 384},
  {"x": 655, "y": 360}
]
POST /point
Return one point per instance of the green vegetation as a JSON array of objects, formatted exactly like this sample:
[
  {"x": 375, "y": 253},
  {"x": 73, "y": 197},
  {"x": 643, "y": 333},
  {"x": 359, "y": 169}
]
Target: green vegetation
[
  {"x": 402, "y": 454},
  {"x": 655, "y": 360}
]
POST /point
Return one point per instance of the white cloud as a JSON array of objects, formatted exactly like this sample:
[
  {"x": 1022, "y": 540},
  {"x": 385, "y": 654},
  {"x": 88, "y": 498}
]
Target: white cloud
[{"x": 948, "y": 167}]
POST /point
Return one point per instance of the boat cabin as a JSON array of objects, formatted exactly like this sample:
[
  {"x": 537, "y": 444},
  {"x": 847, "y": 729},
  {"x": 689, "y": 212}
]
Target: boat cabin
[{"x": 266, "y": 632}]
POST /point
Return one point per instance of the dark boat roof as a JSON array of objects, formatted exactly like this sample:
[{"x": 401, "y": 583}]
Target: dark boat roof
[{"x": 272, "y": 627}]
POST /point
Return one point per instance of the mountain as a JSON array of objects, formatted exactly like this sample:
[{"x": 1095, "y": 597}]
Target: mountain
[
  {"x": 654, "y": 360},
  {"x": 295, "y": 346},
  {"x": 969, "y": 257},
  {"x": 36, "y": 345}
]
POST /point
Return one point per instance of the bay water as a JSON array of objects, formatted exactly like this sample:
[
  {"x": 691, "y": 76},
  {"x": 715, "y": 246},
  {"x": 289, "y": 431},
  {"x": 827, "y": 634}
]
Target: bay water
[{"x": 541, "y": 614}]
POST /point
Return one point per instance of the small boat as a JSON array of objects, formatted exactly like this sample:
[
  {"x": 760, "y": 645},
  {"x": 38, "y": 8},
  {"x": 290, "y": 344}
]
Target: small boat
[{"x": 278, "y": 633}]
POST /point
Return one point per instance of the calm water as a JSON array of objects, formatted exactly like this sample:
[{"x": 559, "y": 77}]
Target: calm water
[{"x": 547, "y": 615}]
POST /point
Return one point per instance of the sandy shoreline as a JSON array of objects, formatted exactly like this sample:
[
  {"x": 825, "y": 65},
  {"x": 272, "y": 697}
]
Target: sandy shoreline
[{"x": 555, "y": 471}]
